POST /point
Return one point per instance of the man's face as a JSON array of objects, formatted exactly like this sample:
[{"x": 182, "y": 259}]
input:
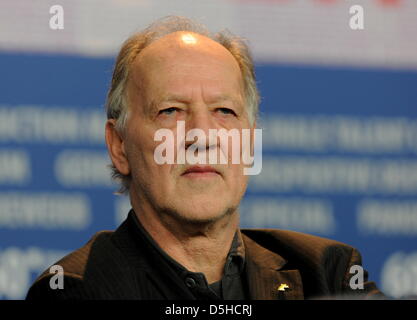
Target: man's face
[{"x": 190, "y": 78}]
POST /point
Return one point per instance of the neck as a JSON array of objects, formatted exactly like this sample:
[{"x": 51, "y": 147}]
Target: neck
[{"x": 199, "y": 247}]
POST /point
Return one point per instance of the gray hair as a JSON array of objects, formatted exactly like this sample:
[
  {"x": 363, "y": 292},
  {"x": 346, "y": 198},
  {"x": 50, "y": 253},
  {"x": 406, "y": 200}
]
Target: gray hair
[{"x": 116, "y": 105}]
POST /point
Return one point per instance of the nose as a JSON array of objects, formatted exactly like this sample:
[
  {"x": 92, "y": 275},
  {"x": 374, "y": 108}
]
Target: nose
[{"x": 202, "y": 119}]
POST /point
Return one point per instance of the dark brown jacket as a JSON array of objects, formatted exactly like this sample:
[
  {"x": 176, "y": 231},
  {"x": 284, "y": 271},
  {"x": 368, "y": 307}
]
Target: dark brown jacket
[{"x": 115, "y": 265}]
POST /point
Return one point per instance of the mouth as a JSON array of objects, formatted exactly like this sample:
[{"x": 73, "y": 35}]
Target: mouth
[{"x": 200, "y": 172}]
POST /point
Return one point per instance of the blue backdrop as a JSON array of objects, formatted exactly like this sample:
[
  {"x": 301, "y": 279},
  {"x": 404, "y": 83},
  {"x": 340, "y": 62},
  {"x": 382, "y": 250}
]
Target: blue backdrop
[{"x": 339, "y": 161}]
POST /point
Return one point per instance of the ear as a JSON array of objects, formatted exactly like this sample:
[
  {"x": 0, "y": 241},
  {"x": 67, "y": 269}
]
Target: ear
[{"x": 116, "y": 148}]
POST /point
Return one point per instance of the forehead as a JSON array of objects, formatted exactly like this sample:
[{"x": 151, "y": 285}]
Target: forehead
[{"x": 181, "y": 58}]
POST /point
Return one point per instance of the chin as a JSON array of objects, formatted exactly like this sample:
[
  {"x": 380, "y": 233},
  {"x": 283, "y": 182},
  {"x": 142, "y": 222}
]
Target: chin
[{"x": 201, "y": 213}]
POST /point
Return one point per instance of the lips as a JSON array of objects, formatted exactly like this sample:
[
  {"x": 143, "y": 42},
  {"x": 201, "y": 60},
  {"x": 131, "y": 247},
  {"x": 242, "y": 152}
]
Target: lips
[{"x": 200, "y": 171}]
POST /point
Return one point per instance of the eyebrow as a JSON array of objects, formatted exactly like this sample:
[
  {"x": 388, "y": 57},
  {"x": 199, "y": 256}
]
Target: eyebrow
[
  {"x": 154, "y": 103},
  {"x": 182, "y": 99}
]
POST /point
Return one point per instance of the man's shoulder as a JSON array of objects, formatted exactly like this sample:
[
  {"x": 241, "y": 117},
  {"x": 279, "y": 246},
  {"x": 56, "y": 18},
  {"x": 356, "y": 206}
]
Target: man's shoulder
[
  {"x": 324, "y": 264},
  {"x": 97, "y": 262},
  {"x": 294, "y": 239},
  {"x": 75, "y": 263},
  {"x": 300, "y": 249}
]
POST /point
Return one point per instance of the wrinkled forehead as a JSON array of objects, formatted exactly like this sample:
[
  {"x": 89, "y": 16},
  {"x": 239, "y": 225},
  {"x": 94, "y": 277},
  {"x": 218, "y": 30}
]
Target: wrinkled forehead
[{"x": 183, "y": 48}]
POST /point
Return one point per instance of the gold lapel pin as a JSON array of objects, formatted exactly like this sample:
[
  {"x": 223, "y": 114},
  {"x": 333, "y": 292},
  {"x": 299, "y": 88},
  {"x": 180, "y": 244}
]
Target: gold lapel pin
[{"x": 283, "y": 286}]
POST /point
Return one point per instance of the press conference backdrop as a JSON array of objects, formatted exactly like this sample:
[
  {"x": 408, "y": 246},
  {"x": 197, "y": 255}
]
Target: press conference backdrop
[{"x": 338, "y": 112}]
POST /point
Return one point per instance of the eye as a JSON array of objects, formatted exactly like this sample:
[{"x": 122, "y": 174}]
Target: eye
[
  {"x": 168, "y": 111},
  {"x": 226, "y": 111}
]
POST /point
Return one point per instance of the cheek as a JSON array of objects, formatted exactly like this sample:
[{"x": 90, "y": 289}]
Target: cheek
[
  {"x": 236, "y": 179},
  {"x": 139, "y": 149},
  {"x": 236, "y": 186},
  {"x": 145, "y": 164},
  {"x": 242, "y": 187}
]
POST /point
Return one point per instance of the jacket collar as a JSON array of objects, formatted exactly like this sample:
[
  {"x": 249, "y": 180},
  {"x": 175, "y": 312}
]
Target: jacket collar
[{"x": 266, "y": 274}]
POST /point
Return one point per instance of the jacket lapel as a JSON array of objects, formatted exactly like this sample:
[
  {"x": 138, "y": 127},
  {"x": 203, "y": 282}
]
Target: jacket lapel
[{"x": 265, "y": 275}]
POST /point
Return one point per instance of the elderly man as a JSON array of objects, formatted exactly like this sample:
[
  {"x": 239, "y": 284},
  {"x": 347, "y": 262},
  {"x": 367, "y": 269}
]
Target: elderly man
[{"x": 181, "y": 239}]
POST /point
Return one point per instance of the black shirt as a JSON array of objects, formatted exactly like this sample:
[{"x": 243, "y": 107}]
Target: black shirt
[{"x": 232, "y": 286}]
